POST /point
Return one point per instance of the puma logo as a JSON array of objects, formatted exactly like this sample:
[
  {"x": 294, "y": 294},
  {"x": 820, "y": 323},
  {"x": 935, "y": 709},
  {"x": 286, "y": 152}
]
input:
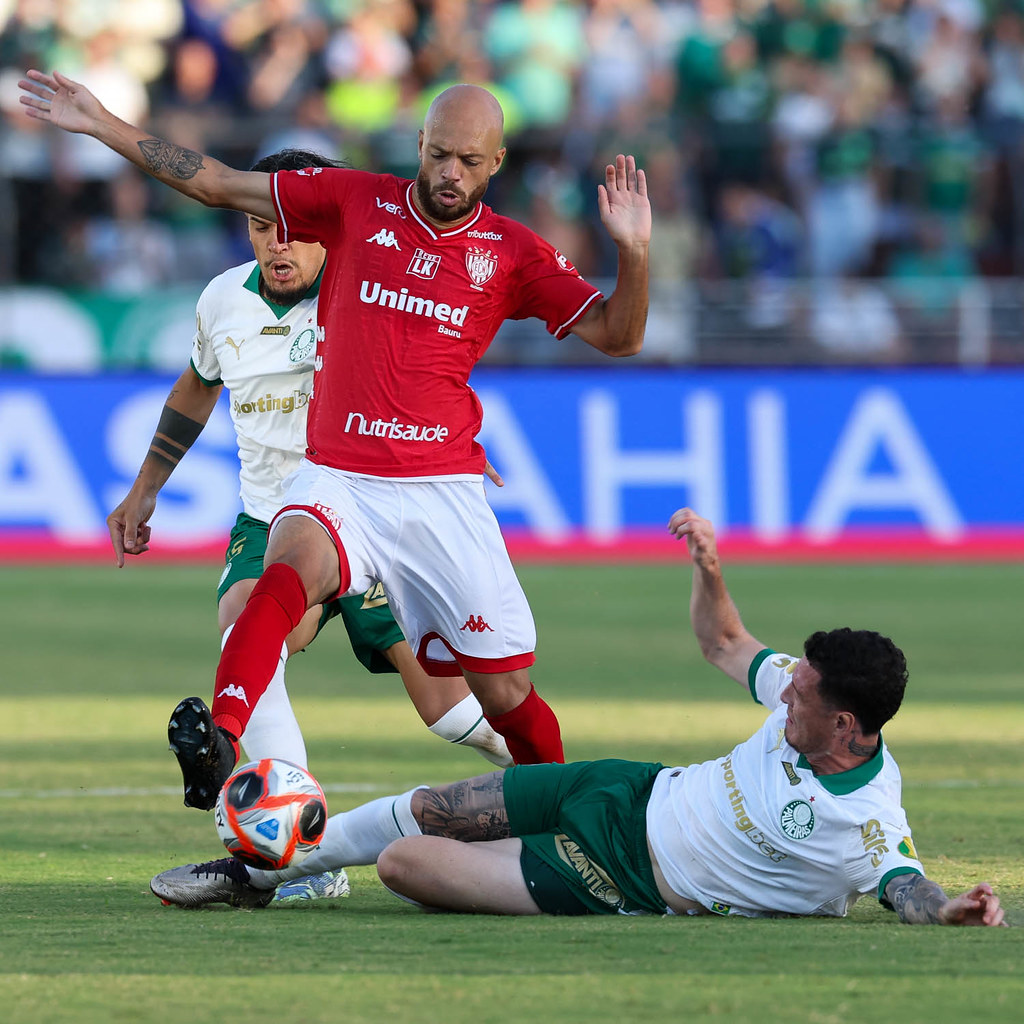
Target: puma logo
[{"x": 236, "y": 345}]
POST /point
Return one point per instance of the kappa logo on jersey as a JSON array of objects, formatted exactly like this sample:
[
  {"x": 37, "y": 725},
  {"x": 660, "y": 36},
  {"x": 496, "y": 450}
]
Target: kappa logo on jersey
[
  {"x": 390, "y": 208},
  {"x": 310, "y": 172},
  {"x": 238, "y": 692},
  {"x": 481, "y": 264},
  {"x": 386, "y": 238},
  {"x": 423, "y": 264},
  {"x": 236, "y": 345},
  {"x": 475, "y": 625},
  {"x": 329, "y": 514}
]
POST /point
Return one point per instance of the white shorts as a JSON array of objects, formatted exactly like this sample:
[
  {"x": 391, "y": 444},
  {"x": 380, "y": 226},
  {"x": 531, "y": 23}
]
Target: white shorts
[{"x": 436, "y": 547}]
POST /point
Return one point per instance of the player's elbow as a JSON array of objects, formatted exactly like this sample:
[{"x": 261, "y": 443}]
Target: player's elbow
[{"x": 622, "y": 345}]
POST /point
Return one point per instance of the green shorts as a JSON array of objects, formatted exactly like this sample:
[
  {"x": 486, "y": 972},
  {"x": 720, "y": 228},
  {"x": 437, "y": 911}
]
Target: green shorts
[
  {"x": 371, "y": 626},
  {"x": 587, "y": 821}
]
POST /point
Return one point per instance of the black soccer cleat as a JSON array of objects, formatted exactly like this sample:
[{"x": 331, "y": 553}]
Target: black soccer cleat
[
  {"x": 204, "y": 752},
  {"x": 216, "y": 881}
]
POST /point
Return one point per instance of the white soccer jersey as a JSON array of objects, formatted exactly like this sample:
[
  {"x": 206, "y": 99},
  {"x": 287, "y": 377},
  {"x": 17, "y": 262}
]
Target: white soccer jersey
[
  {"x": 758, "y": 833},
  {"x": 263, "y": 354}
]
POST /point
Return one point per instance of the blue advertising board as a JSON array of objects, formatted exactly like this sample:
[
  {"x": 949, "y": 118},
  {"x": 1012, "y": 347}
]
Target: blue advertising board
[{"x": 592, "y": 455}]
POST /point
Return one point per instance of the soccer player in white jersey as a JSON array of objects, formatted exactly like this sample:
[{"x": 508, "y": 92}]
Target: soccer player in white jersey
[
  {"x": 256, "y": 328},
  {"x": 419, "y": 276},
  {"x": 801, "y": 819}
]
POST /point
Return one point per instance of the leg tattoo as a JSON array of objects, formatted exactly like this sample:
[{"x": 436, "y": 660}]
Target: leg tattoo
[{"x": 471, "y": 811}]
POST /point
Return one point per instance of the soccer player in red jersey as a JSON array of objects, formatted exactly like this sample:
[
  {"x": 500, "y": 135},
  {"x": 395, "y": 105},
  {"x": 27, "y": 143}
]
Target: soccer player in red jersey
[{"x": 419, "y": 277}]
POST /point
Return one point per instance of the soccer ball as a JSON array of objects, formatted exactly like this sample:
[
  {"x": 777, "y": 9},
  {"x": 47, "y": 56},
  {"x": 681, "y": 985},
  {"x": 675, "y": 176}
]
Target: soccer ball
[{"x": 271, "y": 813}]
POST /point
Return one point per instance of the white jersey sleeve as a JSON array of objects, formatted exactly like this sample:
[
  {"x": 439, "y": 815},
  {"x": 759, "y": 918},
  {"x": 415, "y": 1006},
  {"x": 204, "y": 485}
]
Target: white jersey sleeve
[{"x": 205, "y": 362}]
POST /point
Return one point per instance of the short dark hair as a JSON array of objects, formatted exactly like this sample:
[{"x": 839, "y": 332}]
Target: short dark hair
[
  {"x": 861, "y": 671},
  {"x": 293, "y": 160}
]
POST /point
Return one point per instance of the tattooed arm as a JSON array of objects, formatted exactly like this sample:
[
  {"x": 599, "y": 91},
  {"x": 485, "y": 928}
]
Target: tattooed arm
[
  {"x": 919, "y": 900},
  {"x": 184, "y": 415},
  {"x": 70, "y": 105}
]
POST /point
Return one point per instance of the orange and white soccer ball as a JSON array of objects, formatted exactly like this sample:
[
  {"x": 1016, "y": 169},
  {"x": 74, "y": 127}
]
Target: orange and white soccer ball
[{"x": 271, "y": 813}]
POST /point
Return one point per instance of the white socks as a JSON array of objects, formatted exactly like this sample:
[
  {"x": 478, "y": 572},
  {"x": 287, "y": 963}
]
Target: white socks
[
  {"x": 273, "y": 730},
  {"x": 465, "y": 724},
  {"x": 351, "y": 837}
]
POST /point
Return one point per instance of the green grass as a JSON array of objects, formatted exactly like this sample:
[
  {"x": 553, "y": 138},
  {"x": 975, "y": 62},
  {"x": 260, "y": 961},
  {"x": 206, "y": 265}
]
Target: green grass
[{"x": 93, "y": 660}]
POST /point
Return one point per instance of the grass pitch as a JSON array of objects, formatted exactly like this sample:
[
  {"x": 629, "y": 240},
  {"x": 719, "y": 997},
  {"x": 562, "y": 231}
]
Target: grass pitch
[{"x": 94, "y": 659}]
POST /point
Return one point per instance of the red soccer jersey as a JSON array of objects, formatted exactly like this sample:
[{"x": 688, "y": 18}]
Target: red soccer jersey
[{"x": 408, "y": 310}]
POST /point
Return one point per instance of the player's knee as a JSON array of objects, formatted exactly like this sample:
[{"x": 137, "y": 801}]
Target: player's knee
[{"x": 397, "y": 865}]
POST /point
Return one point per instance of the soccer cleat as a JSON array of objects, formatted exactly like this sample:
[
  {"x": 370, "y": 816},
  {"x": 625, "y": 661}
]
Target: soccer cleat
[
  {"x": 204, "y": 752},
  {"x": 216, "y": 881},
  {"x": 328, "y": 885}
]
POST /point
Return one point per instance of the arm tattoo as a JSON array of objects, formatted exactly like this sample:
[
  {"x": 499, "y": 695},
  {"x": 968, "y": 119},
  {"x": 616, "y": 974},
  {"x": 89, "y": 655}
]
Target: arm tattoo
[
  {"x": 916, "y": 899},
  {"x": 175, "y": 161},
  {"x": 175, "y": 434},
  {"x": 471, "y": 811}
]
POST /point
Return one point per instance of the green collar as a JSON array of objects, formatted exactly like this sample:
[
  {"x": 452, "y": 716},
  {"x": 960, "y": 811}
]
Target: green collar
[
  {"x": 252, "y": 283},
  {"x": 841, "y": 783}
]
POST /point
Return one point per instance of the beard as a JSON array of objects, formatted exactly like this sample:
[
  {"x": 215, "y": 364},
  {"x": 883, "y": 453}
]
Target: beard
[
  {"x": 284, "y": 293},
  {"x": 438, "y": 211}
]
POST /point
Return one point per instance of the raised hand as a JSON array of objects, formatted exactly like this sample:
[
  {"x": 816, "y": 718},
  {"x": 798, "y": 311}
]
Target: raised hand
[
  {"x": 62, "y": 102},
  {"x": 623, "y": 204}
]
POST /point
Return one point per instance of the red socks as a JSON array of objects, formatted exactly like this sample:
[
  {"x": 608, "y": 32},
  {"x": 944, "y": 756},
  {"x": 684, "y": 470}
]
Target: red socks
[
  {"x": 531, "y": 731},
  {"x": 247, "y": 664}
]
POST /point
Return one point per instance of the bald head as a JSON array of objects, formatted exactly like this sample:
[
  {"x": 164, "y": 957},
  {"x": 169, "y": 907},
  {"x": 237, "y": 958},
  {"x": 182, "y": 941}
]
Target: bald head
[
  {"x": 469, "y": 106},
  {"x": 460, "y": 149}
]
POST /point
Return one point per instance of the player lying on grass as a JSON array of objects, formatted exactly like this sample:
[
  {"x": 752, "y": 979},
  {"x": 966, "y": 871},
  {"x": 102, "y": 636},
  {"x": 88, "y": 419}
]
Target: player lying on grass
[
  {"x": 803, "y": 818},
  {"x": 256, "y": 331}
]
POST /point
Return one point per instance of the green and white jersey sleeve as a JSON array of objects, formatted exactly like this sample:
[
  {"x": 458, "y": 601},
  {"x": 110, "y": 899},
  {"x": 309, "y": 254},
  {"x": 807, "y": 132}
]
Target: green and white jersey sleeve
[
  {"x": 757, "y": 833},
  {"x": 263, "y": 353}
]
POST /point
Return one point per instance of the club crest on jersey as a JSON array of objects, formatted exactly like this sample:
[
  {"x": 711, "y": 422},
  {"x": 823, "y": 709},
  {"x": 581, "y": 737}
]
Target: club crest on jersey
[
  {"x": 563, "y": 262},
  {"x": 423, "y": 264},
  {"x": 481, "y": 264}
]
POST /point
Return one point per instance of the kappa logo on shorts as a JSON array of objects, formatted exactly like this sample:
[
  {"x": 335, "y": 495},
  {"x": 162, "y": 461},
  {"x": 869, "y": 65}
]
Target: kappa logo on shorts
[
  {"x": 475, "y": 625},
  {"x": 238, "y": 692},
  {"x": 329, "y": 514}
]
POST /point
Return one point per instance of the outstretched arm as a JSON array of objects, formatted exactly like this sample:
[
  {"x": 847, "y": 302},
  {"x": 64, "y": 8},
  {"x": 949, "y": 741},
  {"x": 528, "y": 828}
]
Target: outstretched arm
[
  {"x": 616, "y": 326},
  {"x": 723, "y": 639},
  {"x": 184, "y": 415},
  {"x": 69, "y": 105},
  {"x": 919, "y": 900}
]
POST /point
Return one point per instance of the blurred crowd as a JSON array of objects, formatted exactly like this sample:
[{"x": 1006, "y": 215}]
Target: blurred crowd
[{"x": 844, "y": 141}]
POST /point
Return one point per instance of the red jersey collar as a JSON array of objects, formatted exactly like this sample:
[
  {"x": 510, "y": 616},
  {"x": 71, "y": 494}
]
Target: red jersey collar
[{"x": 429, "y": 228}]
